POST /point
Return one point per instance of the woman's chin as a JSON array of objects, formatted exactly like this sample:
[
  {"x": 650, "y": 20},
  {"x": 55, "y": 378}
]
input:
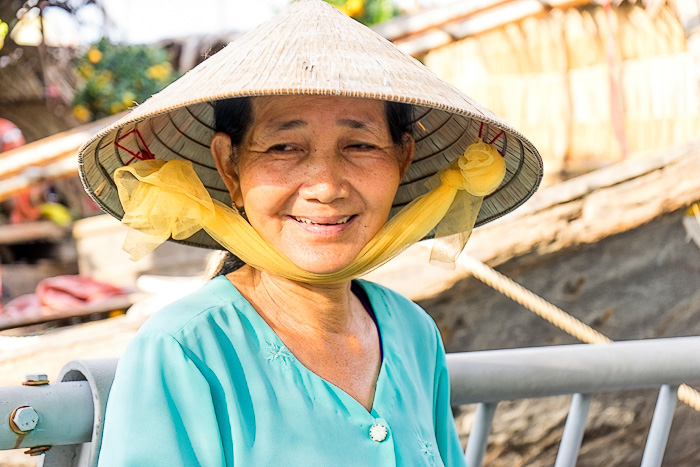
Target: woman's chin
[
  {"x": 325, "y": 268},
  {"x": 322, "y": 263}
]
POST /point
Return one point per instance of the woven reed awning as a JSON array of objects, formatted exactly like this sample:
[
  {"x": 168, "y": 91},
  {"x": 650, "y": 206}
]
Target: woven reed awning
[
  {"x": 418, "y": 33},
  {"x": 56, "y": 155}
]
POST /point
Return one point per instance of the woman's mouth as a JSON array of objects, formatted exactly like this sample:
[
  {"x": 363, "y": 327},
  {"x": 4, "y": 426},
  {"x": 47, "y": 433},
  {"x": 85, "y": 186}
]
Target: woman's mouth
[
  {"x": 324, "y": 226},
  {"x": 323, "y": 221}
]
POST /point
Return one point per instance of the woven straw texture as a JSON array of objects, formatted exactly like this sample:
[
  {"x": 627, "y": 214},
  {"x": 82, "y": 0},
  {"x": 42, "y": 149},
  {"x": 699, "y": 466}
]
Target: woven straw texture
[
  {"x": 563, "y": 58},
  {"x": 311, "y": 48}
]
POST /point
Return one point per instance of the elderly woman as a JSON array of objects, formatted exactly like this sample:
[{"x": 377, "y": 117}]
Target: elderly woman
[{"x": 291, "y": 149}]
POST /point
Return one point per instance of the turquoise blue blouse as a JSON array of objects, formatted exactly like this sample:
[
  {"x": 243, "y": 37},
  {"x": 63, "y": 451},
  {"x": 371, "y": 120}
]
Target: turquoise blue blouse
[{"x": 207, "y": 382}]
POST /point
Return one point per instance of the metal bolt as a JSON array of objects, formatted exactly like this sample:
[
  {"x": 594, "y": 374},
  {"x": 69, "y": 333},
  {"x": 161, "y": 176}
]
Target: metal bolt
[
  {"x": 35, "y": 379},
  {"x": 25, "y": 418}
]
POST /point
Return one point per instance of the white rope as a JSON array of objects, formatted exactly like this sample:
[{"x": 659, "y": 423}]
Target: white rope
[{"x": 553, "y": 314}]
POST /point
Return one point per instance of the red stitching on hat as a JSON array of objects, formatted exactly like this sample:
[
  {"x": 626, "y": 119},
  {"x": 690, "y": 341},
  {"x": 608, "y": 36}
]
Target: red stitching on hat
[
  {"x": 142, "y": 155},
  {"x": 496, "y": 137}
]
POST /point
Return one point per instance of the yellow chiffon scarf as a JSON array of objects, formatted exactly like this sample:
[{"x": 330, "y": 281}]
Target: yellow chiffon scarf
[{"x": 167, "y": 199}]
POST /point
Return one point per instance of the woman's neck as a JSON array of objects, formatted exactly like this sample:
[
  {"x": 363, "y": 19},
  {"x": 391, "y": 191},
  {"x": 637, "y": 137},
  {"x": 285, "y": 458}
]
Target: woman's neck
[
  {"x": 325, "y": 327},
  {"x": 297, "y": 307}
]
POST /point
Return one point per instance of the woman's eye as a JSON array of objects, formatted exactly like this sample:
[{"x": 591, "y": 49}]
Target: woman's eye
[
  {"x": 281, "y": 148},
  {"x": 362, "y": 146}
]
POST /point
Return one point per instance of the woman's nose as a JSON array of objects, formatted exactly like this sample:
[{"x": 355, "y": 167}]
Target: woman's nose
[{"x": 325, "y": 177}]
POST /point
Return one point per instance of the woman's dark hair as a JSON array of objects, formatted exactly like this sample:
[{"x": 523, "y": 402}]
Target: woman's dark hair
[
  {"x": 399, "y": 117},
  {"x": 235, "y": 115}
]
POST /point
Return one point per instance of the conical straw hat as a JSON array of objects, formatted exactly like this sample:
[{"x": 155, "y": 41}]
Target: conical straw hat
[{"x": 311, "y": 48}]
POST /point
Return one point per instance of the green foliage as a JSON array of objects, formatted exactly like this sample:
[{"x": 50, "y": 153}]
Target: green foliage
[
  {"x": 117, "y": 77},
  {"x": 367, "y": 12}
]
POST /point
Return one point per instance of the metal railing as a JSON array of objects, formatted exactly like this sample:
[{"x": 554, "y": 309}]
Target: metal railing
[
  {"x": 66, "y": 418},
  {"x": 488, "y": 377}
]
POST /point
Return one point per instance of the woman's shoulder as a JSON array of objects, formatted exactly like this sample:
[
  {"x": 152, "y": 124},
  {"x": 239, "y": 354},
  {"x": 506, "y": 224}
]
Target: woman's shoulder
[{"x": 194, "y": 309}]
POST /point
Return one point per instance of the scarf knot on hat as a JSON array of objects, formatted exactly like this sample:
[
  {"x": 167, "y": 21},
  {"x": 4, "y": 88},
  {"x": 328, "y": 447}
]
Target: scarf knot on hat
[
  {"x": 479, "y": 171},
  {"x": 161, "y": 200},
  {"x": 476, "y": 173}
]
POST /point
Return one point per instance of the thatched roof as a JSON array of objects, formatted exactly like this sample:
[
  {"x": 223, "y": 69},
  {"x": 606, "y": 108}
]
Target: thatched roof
[
  {"x": 589, "y": 85},
  {"x": 429, "y": 29},
  {"x": 36, "y": 90}
]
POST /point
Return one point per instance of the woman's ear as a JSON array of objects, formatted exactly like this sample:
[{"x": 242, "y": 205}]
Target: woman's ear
[
  {"x": 407, "y": 150},
  {"x": 226, "y": 164}
]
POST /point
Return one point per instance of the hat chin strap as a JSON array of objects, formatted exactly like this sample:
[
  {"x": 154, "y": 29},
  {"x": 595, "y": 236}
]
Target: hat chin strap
[{"x": 167, "y": 199}]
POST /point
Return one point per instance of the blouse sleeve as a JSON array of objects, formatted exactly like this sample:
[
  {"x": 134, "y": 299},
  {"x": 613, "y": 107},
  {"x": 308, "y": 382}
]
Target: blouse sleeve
[
  {"x": 445, "y": 430},
  {"x": 159, "y": 411}
]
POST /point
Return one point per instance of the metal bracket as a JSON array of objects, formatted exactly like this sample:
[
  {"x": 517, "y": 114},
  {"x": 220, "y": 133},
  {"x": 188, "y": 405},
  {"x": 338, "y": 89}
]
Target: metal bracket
[{"x": 99, "y": 374}]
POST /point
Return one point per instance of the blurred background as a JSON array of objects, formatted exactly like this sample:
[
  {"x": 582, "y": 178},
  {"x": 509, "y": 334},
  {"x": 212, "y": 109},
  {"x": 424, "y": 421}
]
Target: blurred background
[{"x": 608, "y": 91}]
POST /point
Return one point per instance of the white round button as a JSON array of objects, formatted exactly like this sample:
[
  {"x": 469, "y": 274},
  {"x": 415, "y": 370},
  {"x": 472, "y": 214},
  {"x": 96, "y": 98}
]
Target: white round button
[{"x": 378, "y": 432}]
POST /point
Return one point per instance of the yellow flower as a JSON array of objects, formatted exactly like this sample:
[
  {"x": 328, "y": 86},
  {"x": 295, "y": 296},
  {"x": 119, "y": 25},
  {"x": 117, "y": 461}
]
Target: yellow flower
[
  {"x": 94, "y": 55},
  {"x": 482, "y": 167},
  {"x": 128, "y": 98},
  {"x": 82, "y": 113},
  {"x": 86, "y": 71},
  {"x": 354, "y": 8},
  {"x": 116, "y": 107},
  {"x": 160, "y": 71}
]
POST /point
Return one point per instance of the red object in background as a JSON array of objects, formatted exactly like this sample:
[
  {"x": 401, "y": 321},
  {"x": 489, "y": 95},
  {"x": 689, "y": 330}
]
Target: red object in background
[
  {"x": 10, "y": 136},
  {"x": 26, "y": 305},
  {"x": 23, "y": 208},
  {"x": 60, "y": 294},
  {"x": 66, "y": 293}
]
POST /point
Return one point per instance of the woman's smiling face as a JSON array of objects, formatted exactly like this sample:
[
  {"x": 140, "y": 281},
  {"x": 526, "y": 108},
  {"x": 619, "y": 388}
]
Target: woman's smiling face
[{"x": 316, "y": 175}]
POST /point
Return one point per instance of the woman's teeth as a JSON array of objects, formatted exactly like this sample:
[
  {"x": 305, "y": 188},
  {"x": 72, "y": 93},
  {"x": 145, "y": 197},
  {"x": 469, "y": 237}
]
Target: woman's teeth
[{"x": 309, "y": 221}]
